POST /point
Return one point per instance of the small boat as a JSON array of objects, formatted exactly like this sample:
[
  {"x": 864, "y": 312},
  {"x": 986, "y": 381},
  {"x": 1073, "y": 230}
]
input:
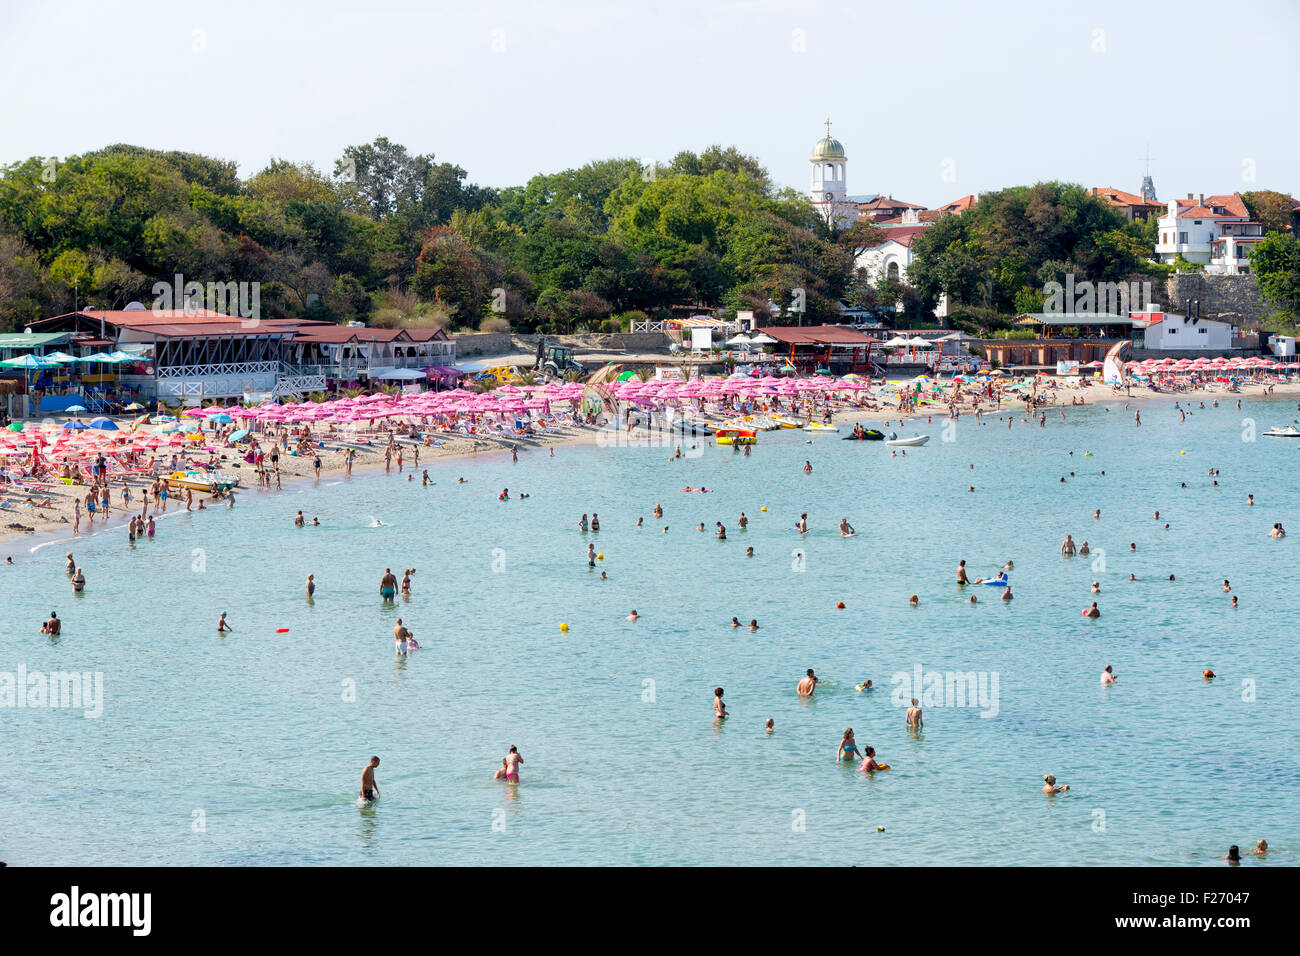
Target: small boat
[
  {"x": 819, "y": 427},
  {"x": 1290, "y": 431},
  {"x": 201, "y": 481},
  {"x": 867, "y": 434},
  {"x": 908, "y": 442},
  {"x": 782, "y": 422},
  {"x": 736, "y": 436}
]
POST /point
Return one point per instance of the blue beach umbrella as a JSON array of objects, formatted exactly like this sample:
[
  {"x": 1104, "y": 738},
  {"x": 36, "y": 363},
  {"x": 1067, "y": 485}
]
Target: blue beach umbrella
[
  {"x": 222, "y": 419},
  {"x": 76, "y": 426},
  {"x": 104, "y": 424}
]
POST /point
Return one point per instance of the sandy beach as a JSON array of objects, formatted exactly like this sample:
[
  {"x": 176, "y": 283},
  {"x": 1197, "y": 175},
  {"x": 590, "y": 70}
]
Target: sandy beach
[{"x": 24, "y": 521}]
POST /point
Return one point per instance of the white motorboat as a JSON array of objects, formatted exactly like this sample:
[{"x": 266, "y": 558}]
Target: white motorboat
[
  {"x": 908, "y": 442},
  {"x": 1290, "y": 431}
]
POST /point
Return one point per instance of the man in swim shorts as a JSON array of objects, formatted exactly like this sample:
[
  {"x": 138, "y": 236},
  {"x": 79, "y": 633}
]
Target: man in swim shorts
[
  {"x": 388, "y": 585},
  {"x": 369, "y": 789}
]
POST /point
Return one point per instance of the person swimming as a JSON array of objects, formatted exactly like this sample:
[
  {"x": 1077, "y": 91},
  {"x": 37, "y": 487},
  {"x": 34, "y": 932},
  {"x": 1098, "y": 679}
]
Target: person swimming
[
  {"x": 1108, "y": 676},
  {"x": 1050, "y": 787},
  {"x": 846, "y": 529}
]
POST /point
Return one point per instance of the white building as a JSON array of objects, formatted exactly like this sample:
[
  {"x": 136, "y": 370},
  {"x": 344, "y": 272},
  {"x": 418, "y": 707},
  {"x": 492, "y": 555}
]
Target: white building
[
  {"x": 1191, "y": 227},
  {"x": 828, "y": 191},
  {"x": 1166, "y": 331},
  {"x": 893, "y": 256}
]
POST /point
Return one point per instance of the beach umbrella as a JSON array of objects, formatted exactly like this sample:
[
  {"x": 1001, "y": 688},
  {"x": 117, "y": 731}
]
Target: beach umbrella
[
  {"x": 15, "y": 426},
  {"x": 75, "y": 409},
  {"x": 75, "y": 425},
  {"x": 104, "y": 424},
  {"x": 221, "y": 419}
]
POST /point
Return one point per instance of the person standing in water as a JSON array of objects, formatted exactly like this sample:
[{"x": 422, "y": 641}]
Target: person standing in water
[
  {"x": 719, "y": 707},
  {"x": 808, "y": 685},
  {"x": 369, "y": 789},
  {"x": 914, "y": 720},
  {"x": 513, "y": 760},
  {"x": 311, "y": 585},
  {"x": 388, "y": 585}
]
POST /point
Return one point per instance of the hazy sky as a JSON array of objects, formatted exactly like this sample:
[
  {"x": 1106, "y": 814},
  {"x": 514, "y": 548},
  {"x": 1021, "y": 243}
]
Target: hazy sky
[{"x": 932, "y": 99}]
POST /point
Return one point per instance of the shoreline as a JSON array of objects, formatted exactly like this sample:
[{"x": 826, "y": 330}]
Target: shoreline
[
  {"x": 55, "y": 522},
  {"x": 49, "y": 525}
]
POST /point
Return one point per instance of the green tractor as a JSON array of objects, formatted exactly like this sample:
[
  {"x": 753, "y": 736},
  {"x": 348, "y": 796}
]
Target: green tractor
[{"x": 555, "y": 361}]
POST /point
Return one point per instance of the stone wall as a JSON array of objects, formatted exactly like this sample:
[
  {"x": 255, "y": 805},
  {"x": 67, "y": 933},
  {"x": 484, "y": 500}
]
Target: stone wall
[{"x": 1224, "y": 298}]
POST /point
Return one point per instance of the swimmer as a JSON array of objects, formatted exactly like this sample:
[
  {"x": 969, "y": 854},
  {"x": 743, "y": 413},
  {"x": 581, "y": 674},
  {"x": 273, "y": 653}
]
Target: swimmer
[
  {"x": 1226, "y": 586},
  {"x": 311, "y": 585},
  {"x": 388, "y": 585},
  {"x": 864, "y": 688},
  {"x": 633, "y": 616},
  {"x": 1234, "y": 854},
  {"x": 1234, "y": 600},
  {"x": 78, "y": 581},
  {"x": 1050, "y": 787},
  {"x": 742, "y": 522},
  {"x": 512, "y": 761},
  {"x": 591, "y": 555},
  {"x": 719, "y": 708},
  {"x": 1261, "y": 847},
  {"x": 846, "y": 529},
  {"x": 749, "y": 552},
  {"x": 721, "y": 532},
  {"x": 848, "y": 748},
  {"x": 1067, "y": 546},
  {"x": 369, "y": 789},
  {"x": 71, "y": 567},
  {"x": 501, "y": 771},
  {"x": 222, "y": 626},
  {"x": 802, "y": 524},
  {"x": 604, "y": 576},
  {"x": 1084, "y": 549},
  {"x": 770, "y": 726},
  {"x": 1092, "y": 611},
  {"x": 1108, "y": 676},
  {"x": 1096, "y": 587},
  {"x": 1009, "y": 566},
  {"x": 914, "y": 601},
  {"x": 807, "y": 684},
  {"x": 54, "y": 626},
  {"x": 915, "y": 720},
  {"x": 1097, "y": 513},
  {"x": 753, "y": 624},
  {"x": 869, "y": 761},
  {"x": 298, "y": 520},
  {"x": 735, "y": 622},
  {"x": 1250, "y": 499},
  {"x": 807, "y": 467}
]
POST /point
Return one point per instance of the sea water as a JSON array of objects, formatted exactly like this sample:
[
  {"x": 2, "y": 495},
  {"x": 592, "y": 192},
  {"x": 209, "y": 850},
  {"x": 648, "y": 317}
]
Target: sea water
[{"x": 247, "y": 748}]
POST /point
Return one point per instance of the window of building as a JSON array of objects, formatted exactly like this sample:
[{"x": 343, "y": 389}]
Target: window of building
[
  {"x": 1203, "y": 331},
  {"x": 1182, "y": 237},
  {"x": 1173, "y": 331}
]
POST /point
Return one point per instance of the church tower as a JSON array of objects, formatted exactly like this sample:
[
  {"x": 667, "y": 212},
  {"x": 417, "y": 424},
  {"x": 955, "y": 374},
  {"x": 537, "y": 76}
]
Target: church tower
[{"x": 828, "y": 191}]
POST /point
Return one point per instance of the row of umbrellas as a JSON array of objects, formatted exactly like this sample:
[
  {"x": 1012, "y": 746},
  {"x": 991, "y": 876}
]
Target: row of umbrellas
[{"x": 55, "y": 359}]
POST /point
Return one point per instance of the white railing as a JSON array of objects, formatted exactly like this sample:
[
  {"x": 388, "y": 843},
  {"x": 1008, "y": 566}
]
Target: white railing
[
  {"x": 648, "y": 325},
  {"x": 217, "y": 371}
]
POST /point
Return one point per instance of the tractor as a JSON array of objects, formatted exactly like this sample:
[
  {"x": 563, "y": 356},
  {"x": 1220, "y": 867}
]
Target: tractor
[{"x": 557, "y": 360}]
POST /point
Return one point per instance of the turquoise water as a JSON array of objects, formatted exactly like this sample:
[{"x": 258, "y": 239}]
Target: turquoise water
[{"x": 243, "y": 749}]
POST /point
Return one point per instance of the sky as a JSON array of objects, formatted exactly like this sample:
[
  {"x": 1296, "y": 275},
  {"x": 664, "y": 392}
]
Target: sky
[{"x": 932, "y": 99}]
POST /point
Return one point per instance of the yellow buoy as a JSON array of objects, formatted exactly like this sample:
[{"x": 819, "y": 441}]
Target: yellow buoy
[
  {"x": 601, "y": 556},
  {"x": 764, "y": 508},
  {"x": 564, "y": 628},
  {"x": 1182, "y": 453}
]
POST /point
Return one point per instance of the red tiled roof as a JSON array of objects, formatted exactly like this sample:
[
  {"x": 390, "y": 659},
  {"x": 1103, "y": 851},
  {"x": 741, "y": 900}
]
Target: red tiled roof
[
  {"x": 338, "y": 334},
  {"x": 1118, "y": 197},
  {"x": 903, "y": 235},
  {"x": 1233, "y": 203},
  {"x": 817, "y": 335},
  {"x": 959, "y": 205},
  {"x": 888, "y": 202}
]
